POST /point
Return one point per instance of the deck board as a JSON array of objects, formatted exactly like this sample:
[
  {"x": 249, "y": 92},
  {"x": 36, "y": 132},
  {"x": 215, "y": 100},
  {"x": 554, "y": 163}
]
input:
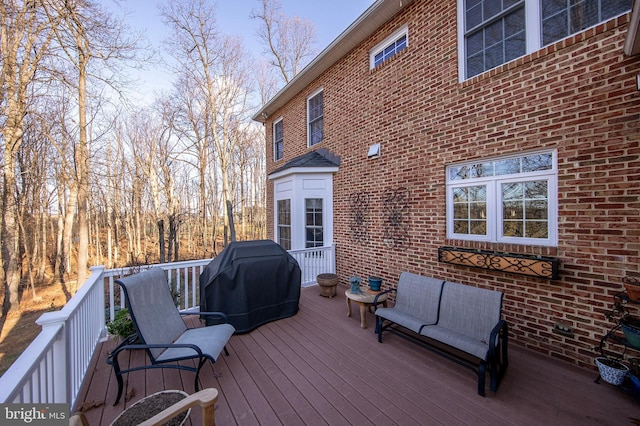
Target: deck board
[{"x": 320, "y": 367}]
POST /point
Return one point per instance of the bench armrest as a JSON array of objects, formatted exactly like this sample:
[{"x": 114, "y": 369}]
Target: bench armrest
[
  {"x": 375, "y": 300},
  {"x": 498, "y": 337}
]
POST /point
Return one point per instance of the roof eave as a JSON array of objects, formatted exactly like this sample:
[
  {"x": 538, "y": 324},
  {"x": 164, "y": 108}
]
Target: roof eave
[
  {"x": 302, "y": 170},
  {"x": 372, "y": 19},
  {"x": 632, "y": 42}
]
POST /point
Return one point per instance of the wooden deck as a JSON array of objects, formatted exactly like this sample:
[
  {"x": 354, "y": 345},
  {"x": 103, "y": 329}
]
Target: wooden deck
[{"x": 320, "y": 367}]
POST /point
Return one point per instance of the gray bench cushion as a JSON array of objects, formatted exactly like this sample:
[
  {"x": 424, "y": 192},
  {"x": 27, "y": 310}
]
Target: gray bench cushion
[
  {"x": 467, "y": 317},
  {"x": 459, "y": 341},
  {"x": 417, "y": 301}
]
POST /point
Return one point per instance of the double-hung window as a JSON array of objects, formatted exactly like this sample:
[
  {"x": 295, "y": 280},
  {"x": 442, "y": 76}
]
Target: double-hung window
[
  {"x": 284, "y": 223},
  {"x": 508, "y": 200},
  {"x": 313, "y": 228},
  {"x": 561, "y": 18},
  {"x": 315, "y": 118},
  {"x": 390, "y": 46},
  {"x": 493, "y": 32},
  {"x": 278, "y": 140}
]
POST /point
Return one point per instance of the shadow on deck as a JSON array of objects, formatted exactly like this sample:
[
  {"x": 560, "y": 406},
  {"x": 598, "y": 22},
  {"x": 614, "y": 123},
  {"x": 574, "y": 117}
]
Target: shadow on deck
[{"x": 320, "y": 367}]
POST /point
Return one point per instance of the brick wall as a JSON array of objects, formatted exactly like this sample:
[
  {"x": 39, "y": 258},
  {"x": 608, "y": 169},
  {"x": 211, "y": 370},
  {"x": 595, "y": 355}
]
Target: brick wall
[{"x": 578, "y": 96}]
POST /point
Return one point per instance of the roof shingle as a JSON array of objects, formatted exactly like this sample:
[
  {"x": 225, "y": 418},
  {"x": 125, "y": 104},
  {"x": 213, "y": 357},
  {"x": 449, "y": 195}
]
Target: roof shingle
[{"x": 319, "y": 158}]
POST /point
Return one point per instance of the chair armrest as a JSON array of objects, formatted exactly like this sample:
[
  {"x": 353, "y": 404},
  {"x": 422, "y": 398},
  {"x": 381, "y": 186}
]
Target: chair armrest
[
  {"x": 375, "y": 299},
  {"x": 114, "y": 354},
  {"x": 206, "y": 399},
  {"x": 196, "y": 311}
]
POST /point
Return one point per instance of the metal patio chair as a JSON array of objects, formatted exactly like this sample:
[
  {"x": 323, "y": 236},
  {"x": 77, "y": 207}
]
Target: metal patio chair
[{"x": 162, "y": 332}]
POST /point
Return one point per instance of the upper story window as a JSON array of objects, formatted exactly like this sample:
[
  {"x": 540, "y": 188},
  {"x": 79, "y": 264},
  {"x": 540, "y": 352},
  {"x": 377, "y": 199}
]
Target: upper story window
[
  {"x": 395, "y": 43},
  {"x": 278, "y": 140},
  {"x": 493, "y": 32},
  {"x": 507, "y": 200},
  {"x": 561, "y": 18},
  {"x": 315, "y": 118}
]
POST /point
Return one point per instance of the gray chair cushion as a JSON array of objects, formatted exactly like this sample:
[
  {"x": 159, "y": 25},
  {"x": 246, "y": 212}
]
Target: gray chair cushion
[
  {"x": 151, "y": 305},
  {"x": 210, "y": 340}
]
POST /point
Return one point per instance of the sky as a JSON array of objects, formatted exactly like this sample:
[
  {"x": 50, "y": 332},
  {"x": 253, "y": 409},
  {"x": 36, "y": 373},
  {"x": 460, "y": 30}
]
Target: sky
[{"x": 331, "y": 18}]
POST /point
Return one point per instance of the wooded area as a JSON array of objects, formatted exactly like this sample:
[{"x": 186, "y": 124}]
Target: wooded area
[{"x": 91, "y": 178}]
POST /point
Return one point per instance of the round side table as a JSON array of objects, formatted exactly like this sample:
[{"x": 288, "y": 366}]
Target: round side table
[{"x": 365, "y": 301}]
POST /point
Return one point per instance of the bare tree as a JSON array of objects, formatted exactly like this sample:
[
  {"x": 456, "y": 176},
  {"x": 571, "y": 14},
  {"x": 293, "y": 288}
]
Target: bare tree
[
  {"x": 72, "y": 189},
  {"x": 266, "y": 79},
  {"x": 288, "y": 40},
  {"x": 193, "y": 130},
  {"x": 59, "y": 129},
  {"x": 168, "y": 165},
  {"x": 214, "y": 65},
  {"x": 89, "y": 34},
  {"x": 25, "y": 37}
]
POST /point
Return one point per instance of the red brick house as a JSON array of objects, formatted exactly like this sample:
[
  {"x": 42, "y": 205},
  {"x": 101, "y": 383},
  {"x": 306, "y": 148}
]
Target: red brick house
[{"x": 430, "y": 135}]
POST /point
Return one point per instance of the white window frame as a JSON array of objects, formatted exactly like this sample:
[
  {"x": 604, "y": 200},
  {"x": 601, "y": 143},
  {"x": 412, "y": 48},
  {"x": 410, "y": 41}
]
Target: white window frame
[
  {"x": 275, "y": 142},
  {"x": 533, "y": 33},
  {"x": 280, "y": 226},
  {"x": 308, "y": 226},
  {"x": 311, "y": 96},
  {"x": 394, "y": 37},
  {"x": 494, "y": 201},
  {"x": 299, "y": 184}
]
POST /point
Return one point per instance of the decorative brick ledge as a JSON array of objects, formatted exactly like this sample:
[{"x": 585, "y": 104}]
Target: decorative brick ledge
[{"x": 536, "y": 266}]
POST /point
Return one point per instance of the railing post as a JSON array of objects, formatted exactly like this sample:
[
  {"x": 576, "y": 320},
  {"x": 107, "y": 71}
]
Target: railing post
[
  {"x": 61, "y": 378},
  {"x": 99, "y": 271},
  {"x": 333, "y": 258}
]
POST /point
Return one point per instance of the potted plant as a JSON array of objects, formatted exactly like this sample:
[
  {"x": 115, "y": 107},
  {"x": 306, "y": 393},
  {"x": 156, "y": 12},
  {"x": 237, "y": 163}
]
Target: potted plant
[
  {"x": 611, "y": 370},
  {"x": 375, "y": 283},
  {"x": 327, "y": 283},
  {"x": 632, "y": 287},
  {"x": 122, "y": 325},
  {"x": 151, "y": 405}
]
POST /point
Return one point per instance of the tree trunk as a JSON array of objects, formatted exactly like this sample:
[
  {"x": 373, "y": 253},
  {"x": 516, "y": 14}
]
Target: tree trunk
[
  {"x": 163, "y": 253},
  {"x": 67, "y": 234},
  {"x": 43, "y": 243},
  {"x": 173, "y": 239},
  {"x": 232, "y": 228},
  {"x": 9, "y": 229},
  {"x": 82, "y": 157},
  {"x": 59, "y": 232}
]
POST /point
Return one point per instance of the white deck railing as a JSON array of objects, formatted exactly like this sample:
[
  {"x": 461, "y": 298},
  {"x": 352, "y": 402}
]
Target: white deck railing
[
  {"x": 53, "y": 367},
  {"x": 314, "y": 261}
]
